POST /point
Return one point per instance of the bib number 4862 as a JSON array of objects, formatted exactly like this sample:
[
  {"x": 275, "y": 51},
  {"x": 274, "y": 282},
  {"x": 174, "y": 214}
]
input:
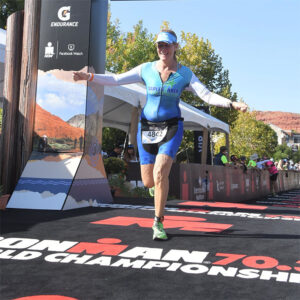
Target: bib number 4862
[{"x": 153, "y": 136}]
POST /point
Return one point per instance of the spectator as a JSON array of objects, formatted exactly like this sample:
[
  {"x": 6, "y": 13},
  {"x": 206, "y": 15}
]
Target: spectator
[
  {"x": 243, "y": 163},
  {"x": 129, "y": 155},
  {"x": 235, "y": 161},
  {"x": 280, "y": 165},
  {"x": 273, "y": 176},
  {"x": 252, "y": 161},
  {"x": 43, "y": 143},
  {"x": 104, "y": 154},
  {"x": 285, "y": 164},
  {"x": 221, "y": 159},
  {"x": 81, "y": 143},
  {"x": 260, "y": 164},
  {"x": 116, "y": 151}
]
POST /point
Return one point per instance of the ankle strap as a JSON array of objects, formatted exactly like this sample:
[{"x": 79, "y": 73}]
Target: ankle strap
[{"x": 159, "y": 219}]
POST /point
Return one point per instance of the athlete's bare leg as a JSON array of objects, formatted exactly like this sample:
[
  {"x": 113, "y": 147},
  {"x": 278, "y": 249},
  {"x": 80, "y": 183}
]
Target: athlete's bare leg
[
  {"x": 147, "y": 175},
  {"x": 161, "y": 171},
  {"x": 158, "y": 174}
]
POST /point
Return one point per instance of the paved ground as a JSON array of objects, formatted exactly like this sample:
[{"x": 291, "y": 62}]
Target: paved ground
[{"x": 215, "y": 251}]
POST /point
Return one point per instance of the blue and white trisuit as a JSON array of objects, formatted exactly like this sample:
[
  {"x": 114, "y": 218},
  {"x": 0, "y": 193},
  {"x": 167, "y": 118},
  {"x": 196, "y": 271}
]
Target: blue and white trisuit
[{"x": 160, "y": 128}]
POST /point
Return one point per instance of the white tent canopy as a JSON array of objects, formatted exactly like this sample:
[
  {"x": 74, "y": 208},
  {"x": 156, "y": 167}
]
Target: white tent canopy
[{"x": 119, "y": 101}]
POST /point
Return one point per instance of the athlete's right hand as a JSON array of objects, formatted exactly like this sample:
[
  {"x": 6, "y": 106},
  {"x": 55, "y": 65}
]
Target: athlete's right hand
[{"x": 80, "y": 76}]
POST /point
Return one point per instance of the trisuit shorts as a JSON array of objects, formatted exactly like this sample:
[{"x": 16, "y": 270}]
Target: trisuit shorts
[{"x": 158, "y": 138}]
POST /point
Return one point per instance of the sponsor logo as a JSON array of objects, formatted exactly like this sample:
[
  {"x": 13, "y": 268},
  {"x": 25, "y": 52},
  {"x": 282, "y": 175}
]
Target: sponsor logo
[
  {"x": 71, "y": 51},
  {"x": 201, "y": 188},
  {"x": 64, "y": 15},
  {"x": 49, "y": 50},
  {"x": 71, "y": 47},
  {"x": 180, "y": 222},
  {"x": 111, "y": 252},
  {"x": 165, "y": 90},
  {"x": 220, "y": 186},
  {"x": 234, "y": 186}
]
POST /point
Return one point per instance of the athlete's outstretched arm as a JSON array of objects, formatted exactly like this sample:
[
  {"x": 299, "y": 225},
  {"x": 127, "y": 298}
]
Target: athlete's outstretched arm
[
  {"x": 197, "y": 87},
  {"x": 131, "y": 76}
]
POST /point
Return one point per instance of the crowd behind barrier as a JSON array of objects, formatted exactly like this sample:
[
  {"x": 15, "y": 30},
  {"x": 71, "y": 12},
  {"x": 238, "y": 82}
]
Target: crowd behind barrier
[
  {"x": 233, "y": 180},
  {"x": 198, "y": 182}
]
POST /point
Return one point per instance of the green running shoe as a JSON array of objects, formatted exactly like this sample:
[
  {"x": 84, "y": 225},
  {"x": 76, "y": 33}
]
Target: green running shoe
[
  {"x": 159, "y": 232},
  {"x": 151, "y": 191}
]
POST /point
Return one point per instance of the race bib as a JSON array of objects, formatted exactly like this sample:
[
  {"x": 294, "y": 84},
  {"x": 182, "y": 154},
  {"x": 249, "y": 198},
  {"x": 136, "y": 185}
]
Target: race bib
[{"x": 153, "y": 136}]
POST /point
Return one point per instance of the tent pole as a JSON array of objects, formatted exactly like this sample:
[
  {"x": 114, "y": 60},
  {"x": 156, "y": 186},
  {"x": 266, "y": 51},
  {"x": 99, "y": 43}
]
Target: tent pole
[
  {"x": 204, "y": 147},
  {"x": 227, "y": 144}
]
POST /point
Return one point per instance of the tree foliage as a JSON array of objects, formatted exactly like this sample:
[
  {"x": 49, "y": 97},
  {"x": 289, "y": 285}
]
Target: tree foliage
[
  {"x": 285, "y": 152},
  {"x": 112, "y": 137},
  {"x": 7, "y": 7},
  {"x": 199, "y": 55},
  {"x": 250, "y": 136},
  {"x": 126, "y": 51}
]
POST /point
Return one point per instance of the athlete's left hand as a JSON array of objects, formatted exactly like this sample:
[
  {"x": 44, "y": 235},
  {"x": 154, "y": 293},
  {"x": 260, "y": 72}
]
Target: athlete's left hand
[{"x": 240, "y": 106}]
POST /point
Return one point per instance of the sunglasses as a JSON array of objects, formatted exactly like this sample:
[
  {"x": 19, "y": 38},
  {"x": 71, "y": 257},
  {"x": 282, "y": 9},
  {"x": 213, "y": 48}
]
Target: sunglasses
[{"x": 163, "y": 45}]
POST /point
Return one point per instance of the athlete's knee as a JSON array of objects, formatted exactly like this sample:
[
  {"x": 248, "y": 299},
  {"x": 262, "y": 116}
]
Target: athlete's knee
[
  {"x": 159, "y": 176},
  {"x": 148, "y": 180},
  {"x": 148, "y": 183}
]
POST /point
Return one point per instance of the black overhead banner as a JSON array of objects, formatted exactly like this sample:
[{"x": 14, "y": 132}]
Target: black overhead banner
[
  {"x": 64, "y": 34},
  {"x": 198, "y": 142},
  {"x": 198, "y": 145},
  {"x": 198, "y": 148}
]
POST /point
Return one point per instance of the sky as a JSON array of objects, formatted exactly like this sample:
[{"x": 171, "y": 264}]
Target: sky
[
  {"x": 61, "y": 98},
  {"x": 258, "y": 41}
]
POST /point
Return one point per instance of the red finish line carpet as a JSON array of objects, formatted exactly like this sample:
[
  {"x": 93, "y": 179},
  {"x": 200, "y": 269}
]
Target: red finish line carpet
[{"x": 215, "y": 251}]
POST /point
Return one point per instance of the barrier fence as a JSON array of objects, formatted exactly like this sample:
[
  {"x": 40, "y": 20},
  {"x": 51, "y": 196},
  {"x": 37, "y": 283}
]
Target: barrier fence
[{"x": 198, "y": 182}]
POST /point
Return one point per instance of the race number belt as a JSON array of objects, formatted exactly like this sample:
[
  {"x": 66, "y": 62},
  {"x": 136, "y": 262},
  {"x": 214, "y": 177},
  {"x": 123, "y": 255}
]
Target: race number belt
[{"x": 155, "y": 132}]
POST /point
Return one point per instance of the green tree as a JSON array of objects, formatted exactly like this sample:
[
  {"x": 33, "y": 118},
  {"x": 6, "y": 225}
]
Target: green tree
[
  {"x": 296, "y": 156},
  {"x": 250, "y": 136},
  {"x": 201, "y": 58},
  {"x": 126, "y": 51},
  {"x": 7, "y": 7},
  {"x": 285, "y": 152}
]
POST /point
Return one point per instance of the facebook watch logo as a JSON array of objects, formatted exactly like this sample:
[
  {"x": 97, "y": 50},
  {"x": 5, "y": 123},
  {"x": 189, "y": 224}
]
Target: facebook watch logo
[{"x": 64, "y": 13}]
